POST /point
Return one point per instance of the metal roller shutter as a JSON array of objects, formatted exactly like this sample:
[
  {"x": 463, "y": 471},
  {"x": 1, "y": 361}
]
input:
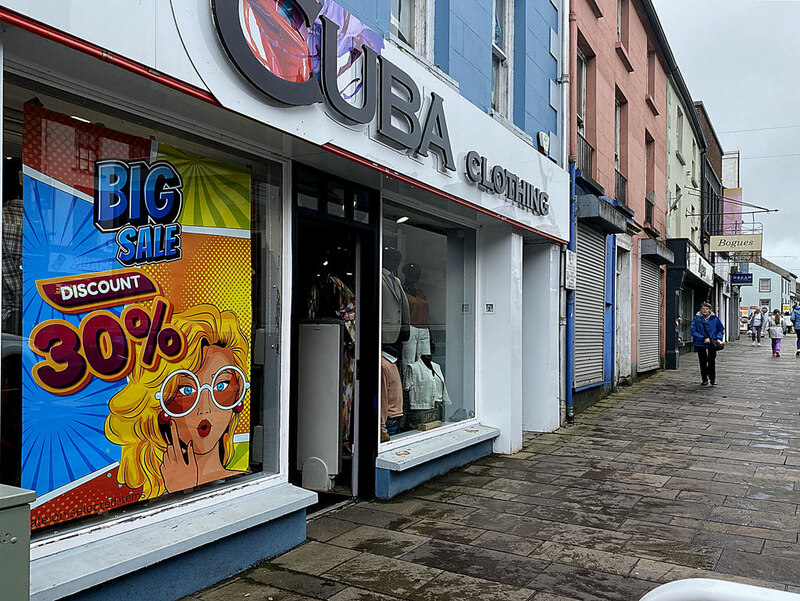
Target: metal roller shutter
[
  {"x": 590, "y": 307},
  {"x": 649, "y": 316}
]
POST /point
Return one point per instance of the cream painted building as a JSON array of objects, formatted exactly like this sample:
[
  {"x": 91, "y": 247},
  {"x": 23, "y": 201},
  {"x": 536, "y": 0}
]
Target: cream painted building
[{"x": 685, "y": 144}]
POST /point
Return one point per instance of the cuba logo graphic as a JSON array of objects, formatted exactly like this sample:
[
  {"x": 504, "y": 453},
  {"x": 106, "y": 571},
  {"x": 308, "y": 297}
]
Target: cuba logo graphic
[{"x": 141, "y": 202}]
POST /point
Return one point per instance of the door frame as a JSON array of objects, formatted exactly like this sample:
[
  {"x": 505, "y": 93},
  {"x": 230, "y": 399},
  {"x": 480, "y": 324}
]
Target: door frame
[{"x": 365, "y": 405}]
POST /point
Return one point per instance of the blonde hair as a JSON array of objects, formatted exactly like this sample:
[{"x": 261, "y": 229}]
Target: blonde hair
[{"x": 133, "y": 419}]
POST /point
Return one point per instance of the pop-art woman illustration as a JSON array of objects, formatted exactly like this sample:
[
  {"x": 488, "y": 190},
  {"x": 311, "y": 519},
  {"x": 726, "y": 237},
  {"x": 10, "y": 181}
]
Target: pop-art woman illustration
[{"x": 175, "y": 425}]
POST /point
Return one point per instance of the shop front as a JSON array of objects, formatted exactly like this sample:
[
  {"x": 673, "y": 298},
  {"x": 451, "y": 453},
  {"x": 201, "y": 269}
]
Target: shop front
[
  {"x": 653, "y": 254},
  {"x": 229, "y": 292},
  {"x": 601, "y": 223},
  {"x": 690, "y": 282}
]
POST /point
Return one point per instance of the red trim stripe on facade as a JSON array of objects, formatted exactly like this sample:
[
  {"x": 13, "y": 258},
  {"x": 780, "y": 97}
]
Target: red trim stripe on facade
[{"x": 80, "y": 45}]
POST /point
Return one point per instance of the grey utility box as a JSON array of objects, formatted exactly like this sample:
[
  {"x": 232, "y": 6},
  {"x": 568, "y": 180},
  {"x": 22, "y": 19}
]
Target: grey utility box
[{"x": 15, "y": 541}]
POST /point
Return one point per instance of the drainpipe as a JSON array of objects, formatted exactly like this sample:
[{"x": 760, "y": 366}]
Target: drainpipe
[
  {"x": 569, "y": 46},
  {"x": 564, "y": 81},
  {"x": 569, "y": 363}
]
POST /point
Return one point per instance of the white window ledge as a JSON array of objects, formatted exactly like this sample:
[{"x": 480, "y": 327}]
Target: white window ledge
[
  {"x": 88, "y": 565},
  {"x": 417, "y": 453}
]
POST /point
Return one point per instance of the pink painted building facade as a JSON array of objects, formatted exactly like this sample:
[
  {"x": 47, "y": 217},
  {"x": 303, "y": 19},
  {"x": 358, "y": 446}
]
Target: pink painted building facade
[{"x": 618, "y": 143}]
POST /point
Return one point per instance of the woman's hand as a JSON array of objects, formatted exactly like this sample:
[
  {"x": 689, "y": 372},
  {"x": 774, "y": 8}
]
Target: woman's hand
[
  {"x": 177, "y": 473},
  {"x": 707, "y": 340}
]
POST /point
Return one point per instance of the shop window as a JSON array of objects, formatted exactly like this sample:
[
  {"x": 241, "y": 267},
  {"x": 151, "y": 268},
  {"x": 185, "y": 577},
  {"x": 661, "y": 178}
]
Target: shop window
[
  {"x": 428, "y": 323},
  {"x": 336, "y": 199},
  {"x": 307, "y": 194},
  {"x": 340, "y": 199},
  {"x": 130, "y": 259},
  {"x": 687, "y": 314}
]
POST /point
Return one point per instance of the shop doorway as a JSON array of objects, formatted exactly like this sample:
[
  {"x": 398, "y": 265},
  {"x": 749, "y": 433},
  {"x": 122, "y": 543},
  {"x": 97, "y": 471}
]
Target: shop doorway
[{"x": 333, "y": 409}]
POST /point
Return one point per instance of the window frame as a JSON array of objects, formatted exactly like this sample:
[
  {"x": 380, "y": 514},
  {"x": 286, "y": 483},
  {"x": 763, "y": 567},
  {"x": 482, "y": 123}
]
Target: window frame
[
  {"x": 762, "y": 287},
  {"x": 503, "y": 63},
  {"x": 423, "y": 14},
  {"x": 220, "y": 144},
  {"x": 411, "y": 203},
  {"x": 618, "y": 135},
  {"x": 580, "y": 82}
]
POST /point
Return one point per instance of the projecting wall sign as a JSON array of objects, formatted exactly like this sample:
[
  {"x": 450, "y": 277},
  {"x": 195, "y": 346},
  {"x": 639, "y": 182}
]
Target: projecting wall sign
[{"x": 736, "y": 243}]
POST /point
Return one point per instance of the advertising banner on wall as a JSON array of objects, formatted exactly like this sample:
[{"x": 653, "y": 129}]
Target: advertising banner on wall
[{"x": 137, "y": 316}]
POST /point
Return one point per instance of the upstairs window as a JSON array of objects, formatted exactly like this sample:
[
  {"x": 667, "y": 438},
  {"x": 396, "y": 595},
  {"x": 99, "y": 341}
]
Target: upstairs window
[
  {"x": 622, "y": 22},
  {"x": 580, "y": 83},
  {"x": 502, "y": 17},
  {"x": 409, "y": 24}
]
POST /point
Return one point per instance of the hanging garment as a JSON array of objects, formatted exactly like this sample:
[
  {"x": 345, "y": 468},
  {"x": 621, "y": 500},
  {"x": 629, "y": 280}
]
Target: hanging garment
[
  {"x": 417, "y": 345},
  {"x": 391, "y": 390},
  {"x": 347, "y": 306},
  {"x": 440, "y": 392},
  {"x": 395, "y": 318},
  {"x": 419, "y": 311}
]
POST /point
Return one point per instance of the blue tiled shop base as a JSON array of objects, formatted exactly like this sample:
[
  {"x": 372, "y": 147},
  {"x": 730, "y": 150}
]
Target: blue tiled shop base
[
  {"x": 193, "y": 571},
  {"x": 389, "y": 483}
]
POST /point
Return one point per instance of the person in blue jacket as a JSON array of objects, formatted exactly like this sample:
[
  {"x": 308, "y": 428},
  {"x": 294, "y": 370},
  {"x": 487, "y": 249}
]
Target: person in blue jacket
[
  {"x": 706, "y": 327},
  {"x": 795, "y": 317}
]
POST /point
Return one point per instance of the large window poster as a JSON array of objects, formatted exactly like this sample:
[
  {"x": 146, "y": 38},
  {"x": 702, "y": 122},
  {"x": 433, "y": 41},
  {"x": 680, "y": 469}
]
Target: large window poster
[{"x": 137, "y": 312}]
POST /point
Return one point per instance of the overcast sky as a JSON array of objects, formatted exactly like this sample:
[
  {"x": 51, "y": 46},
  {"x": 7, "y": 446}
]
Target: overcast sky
[{"x": 742, "y": 59}]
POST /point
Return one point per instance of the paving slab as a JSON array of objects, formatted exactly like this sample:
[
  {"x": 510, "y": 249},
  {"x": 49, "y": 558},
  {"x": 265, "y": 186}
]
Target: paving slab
[
  {"x": 379, "y": 541},
  {"x": 470, "y": 560},
  {"x": 383, "y": 574}
]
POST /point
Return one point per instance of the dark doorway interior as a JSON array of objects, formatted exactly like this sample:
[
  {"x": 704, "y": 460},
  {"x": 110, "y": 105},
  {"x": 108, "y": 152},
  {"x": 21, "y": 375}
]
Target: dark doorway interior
[{"x": 333, "y": 408}]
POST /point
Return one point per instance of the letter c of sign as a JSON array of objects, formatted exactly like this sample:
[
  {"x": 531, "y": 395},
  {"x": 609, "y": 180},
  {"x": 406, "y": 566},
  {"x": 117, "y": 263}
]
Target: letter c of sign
[
  {"x": 226, "y": 18},
  {"x": 474, "y": 166}
]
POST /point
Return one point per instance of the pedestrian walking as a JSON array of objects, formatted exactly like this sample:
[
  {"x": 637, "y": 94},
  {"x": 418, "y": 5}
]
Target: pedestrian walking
[
  {"x": 707, "y": 335},
  {"x": 776, "y": 328},
  {"x": 795, "y": 319},
  {"x": 787, "y": 319},
  {"x": 756, "y": 323}
]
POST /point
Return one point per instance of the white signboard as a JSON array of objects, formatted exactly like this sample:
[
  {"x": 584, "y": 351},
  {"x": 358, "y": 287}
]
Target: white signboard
[
  {"x": 736, "y": 243},
  {"x": 701, "y": 268},
  {"x": 571, "y": 270}
]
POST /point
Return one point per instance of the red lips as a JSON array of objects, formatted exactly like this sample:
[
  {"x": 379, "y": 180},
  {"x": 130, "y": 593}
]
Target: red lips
[{"x": 204, "y": 428}]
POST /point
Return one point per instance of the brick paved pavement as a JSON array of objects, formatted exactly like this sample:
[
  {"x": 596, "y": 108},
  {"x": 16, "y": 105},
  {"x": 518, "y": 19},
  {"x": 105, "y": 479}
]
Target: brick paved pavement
[{"x": 662, "y": 480}]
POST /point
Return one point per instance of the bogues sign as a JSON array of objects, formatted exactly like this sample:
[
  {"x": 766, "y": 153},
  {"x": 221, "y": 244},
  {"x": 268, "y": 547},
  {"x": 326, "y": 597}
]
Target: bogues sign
[
  {"x": 292, "y": 51},
  {"x": 740, "y": 242}
]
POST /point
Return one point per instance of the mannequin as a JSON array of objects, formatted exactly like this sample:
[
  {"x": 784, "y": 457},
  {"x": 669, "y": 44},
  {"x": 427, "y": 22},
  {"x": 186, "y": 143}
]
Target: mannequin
[
  {"x": 395, "y": 317},
  {"x": 422, "y": 377}
]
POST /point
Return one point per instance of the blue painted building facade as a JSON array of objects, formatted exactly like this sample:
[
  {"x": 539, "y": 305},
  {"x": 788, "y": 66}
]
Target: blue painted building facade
[{"x": 462, "y": 49}]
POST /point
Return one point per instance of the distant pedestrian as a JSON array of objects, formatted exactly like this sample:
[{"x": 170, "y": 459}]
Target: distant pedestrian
[
  {"x": 776, "y": 329},
  {"x": 756, "y": 323},
  {"x": 707, "y": 332},
  {"x": 795, "y": 317},
  {"x": 787, "y": 319}
]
